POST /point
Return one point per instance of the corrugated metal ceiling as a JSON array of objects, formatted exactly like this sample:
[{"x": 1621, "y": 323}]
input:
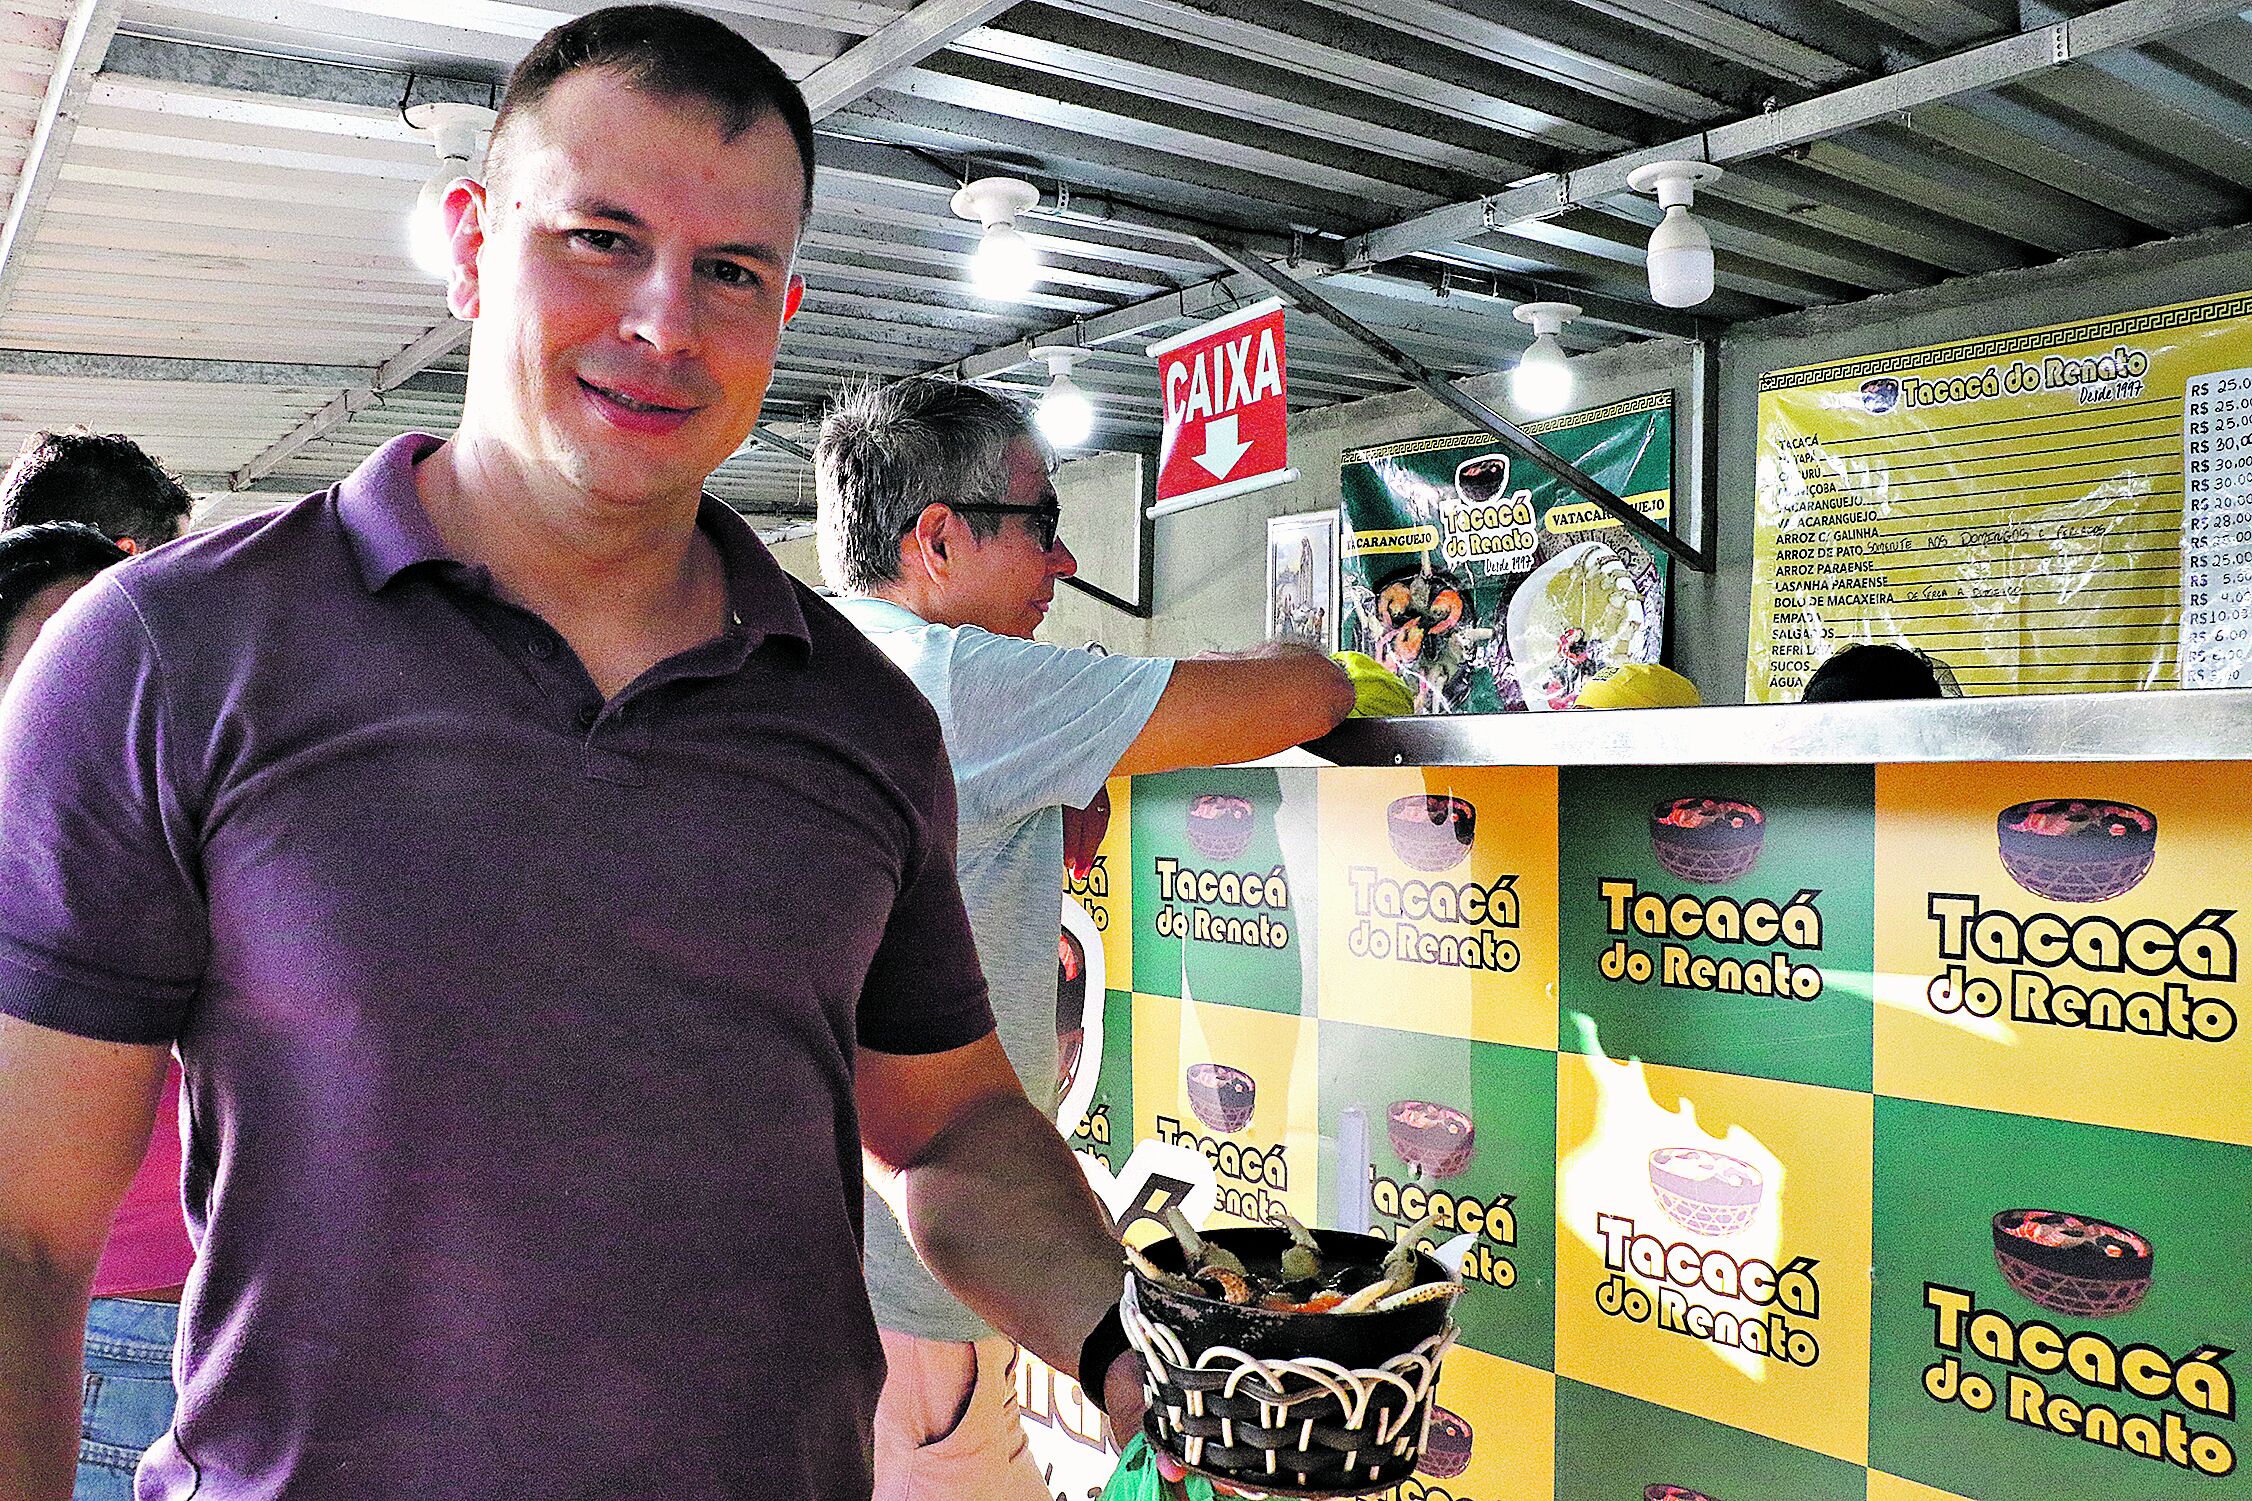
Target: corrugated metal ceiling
[{"x": 209, "y": 251}]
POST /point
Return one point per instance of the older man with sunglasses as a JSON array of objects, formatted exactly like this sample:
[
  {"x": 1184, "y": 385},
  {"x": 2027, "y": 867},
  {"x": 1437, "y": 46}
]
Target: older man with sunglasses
[{"x": 939, "y": 522}]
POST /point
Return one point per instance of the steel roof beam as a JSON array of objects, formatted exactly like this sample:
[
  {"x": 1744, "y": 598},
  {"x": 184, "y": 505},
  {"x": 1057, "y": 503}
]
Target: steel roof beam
[
  {"x": 1520, "y": 50},
  {"x": 1097, "y": 51},
  {"x": 1408, "y": 87},
  {"x": 394, "y": 372},
  {"x": 1721, "y": 33},
  {"x": 86, "y": 37},
  {"x": 161, "y": 60},
  {"x": 58, "y": 365},
  {"x": 1992, "y": 65},
  {"x": 870, "y": 63}
]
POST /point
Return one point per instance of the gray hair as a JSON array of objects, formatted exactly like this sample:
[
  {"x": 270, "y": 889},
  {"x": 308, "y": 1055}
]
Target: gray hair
[{"x": 887, "y": 451}]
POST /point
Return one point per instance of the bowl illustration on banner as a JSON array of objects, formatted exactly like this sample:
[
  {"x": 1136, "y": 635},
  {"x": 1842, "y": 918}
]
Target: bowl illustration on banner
[
  {"x": 1220, "y": 824},
  {"x": 1434, "y": 1140},
  {"x": 1083, "y": 831},
  {"x": 1446, "y": 1448},
  {"x": 1481, "y": 479},
  {"x": 1431, "y": 831},
  {"x": 1575, "y": 617},
  {"x": 2075, "y": 849},
  {"x": 1880, "y": 395},
  {"x": 1673, "y": 1493},
  {"x": 1221, "y": 1096},
  {"x": 1706, "y": 1192},
  {"x": 1071, "y": 1009},
  {"x": 2069, "y": 1263},
  {"x": 1707, "y": 839}
]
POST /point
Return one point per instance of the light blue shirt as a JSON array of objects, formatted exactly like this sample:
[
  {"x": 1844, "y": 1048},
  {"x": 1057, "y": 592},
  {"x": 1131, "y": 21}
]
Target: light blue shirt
[{"x": 1032, "y": 729}]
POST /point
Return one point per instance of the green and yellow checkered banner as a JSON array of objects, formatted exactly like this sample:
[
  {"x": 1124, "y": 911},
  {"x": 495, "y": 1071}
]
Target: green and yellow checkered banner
[{"x": 1828, "y": 1132}]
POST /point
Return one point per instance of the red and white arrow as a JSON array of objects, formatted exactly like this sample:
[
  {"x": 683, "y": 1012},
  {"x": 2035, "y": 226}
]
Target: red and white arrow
[{"x": 1222, "y": 449}]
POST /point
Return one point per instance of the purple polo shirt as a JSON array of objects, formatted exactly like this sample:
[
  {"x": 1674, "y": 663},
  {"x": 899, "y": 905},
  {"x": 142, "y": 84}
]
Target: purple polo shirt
[{"x": 518, "y": 1026}]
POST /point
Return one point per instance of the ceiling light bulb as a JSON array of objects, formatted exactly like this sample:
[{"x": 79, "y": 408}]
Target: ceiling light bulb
[
  {"x": 1680, "y": 250},
  {"x": 454, "y": 129},
  {"x": 1543, "y": 382},
  {"x": 1680, "y": 260},
  {"x": 1005, "y": 265},
  {"x": 1065, "y": 414}
]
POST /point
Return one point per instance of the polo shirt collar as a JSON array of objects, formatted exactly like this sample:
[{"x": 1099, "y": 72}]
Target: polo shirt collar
[{"x": 389, "y": 532}]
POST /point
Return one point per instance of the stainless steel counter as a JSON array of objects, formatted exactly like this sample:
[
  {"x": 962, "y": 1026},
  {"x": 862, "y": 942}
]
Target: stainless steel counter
[{"x": 2201, "y": 725}]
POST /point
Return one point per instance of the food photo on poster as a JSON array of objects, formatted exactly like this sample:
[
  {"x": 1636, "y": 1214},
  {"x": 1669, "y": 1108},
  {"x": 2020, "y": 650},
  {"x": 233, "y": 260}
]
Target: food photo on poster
[{"x": 1485, "y": 582}]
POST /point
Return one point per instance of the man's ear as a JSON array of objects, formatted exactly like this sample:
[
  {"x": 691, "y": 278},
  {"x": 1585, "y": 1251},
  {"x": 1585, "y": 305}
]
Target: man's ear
[
  {"x": 468, "y": 215},
  {"x": 793, "y": 298},
  {"x": 127, "y": 545},
  {"x": 933, "y": 536}
]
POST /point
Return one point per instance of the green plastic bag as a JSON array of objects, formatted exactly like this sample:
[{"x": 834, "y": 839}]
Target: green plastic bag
[{"x": 1137, "y": 1479}]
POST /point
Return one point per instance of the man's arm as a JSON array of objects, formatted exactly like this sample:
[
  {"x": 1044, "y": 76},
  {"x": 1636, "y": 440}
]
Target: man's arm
[
  {"x": 994, "y": 1203},
  {"x": 75, "y": 1117},
  {"x": 1239, "y": 706}
]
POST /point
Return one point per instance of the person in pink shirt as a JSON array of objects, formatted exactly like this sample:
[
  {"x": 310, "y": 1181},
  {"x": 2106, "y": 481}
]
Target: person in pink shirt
[{"x": 135, "y": 1312}]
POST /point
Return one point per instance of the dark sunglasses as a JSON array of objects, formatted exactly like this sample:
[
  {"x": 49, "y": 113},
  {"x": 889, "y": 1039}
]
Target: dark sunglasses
[{"x": 1046, "y": 519}]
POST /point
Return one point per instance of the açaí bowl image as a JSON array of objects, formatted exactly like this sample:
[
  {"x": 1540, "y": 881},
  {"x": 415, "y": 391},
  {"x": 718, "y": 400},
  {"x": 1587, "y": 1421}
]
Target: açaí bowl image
[
  {"x": 1446, "y": 1447},
  {"x": 2070, "y": 1263},
  {"x": 1708, "y": 1192},
  {"x": 2071, "y": 849},
  {"x": 1431, "y": 831},
  {"x": 1221, "y": 1096},
  {"x": 1672, "y": 1493},
  {"x": 1249, "y": 1394},
  {"x": 1219, "y": 824},
  {"x": 1435, "y": 1140},
  {"x": 1707, "y": 839}
]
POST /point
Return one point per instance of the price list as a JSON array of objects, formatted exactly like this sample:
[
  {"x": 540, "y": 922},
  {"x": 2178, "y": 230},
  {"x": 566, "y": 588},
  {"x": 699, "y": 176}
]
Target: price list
[{"x": 2216, "y": 632}]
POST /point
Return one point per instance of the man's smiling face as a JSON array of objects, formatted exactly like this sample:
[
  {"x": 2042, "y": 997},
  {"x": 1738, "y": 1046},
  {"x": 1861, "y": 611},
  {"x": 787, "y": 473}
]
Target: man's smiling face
[{"x": 630, "y": 287}]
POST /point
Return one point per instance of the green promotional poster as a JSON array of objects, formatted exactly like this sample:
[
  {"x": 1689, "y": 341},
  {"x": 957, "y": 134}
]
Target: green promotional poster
[
  {"x": 1720, "y": 918},
  {"x": 1485, "y": 582},
  {"x": 1614, "y": 1448},
  {"x": 1416, "y": 1125},
  {"x": 2058, "y": 1307},
  {"x": 1223, "y": 872},
  {"x": 1105, "y": 1127}
]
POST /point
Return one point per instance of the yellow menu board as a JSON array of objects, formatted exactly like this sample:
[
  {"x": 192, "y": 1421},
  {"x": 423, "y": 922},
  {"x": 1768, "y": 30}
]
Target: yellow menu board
[{"x": 2012, "y": 506}]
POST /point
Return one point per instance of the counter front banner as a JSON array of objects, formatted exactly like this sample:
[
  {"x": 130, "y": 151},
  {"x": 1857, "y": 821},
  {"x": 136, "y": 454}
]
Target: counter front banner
[{"x": 1830, "y": 1134}]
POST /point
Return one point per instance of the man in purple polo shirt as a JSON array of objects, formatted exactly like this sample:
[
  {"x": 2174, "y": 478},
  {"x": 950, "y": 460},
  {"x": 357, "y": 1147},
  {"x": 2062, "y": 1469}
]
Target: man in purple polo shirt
[{"x": 549, "y": 900}]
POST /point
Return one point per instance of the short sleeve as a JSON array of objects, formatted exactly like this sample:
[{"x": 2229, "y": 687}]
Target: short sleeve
[
  {"x": 1038, "y": 726},
  {"x": 103, "y": 925},
  {"x": 925, "y": 992}
]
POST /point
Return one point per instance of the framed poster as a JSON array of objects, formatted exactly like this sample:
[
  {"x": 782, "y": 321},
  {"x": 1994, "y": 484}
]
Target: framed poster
[
  {"x": 1485, "y": 582},
  {"x": 1302, "y": 579}
]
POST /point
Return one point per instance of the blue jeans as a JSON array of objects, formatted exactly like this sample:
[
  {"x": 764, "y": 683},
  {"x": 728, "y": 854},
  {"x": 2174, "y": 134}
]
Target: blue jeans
[{"x": 128, "y": 1392}]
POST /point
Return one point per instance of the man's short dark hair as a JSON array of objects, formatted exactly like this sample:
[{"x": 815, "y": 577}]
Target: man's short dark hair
[
  {"x": 667, "y": 51},
  {"x": 887, "y": 451},
  {"x": 35, "y": 558},
  {"x": 103, "y": 480},
  {"x": 1877, "y": 671}
]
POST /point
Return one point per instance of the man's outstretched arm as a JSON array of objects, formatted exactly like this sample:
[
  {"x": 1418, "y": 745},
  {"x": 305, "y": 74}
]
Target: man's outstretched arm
[
  {"x": 995, "y": 1204},
  {"x": 1240, "y": 706},
  {"x": 74, "y": 1124}
]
